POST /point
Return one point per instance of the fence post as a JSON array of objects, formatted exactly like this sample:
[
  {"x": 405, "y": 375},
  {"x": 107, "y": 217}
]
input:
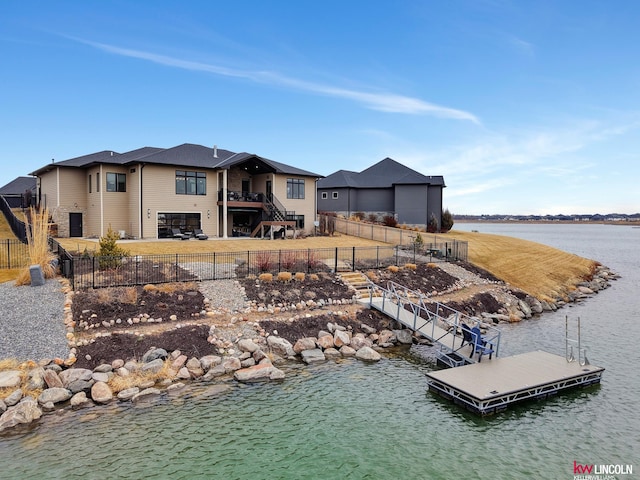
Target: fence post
[
  {"x": 335, "y": 262},
  {"x": 8, "y": 253},
  {"x": 176, "y": 267},
  {"x": 353, "y": 259},
  {"x": 214, "y": 266},
  {"x": 378, "y": 256}
]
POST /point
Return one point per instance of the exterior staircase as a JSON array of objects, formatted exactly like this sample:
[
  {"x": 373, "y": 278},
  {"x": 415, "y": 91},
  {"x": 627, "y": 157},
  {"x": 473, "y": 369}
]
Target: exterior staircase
[{"x": 359, "y": 282}]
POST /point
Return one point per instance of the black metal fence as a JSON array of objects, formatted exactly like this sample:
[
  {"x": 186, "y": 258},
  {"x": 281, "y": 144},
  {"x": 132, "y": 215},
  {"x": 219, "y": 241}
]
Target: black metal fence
[
  {"x": 13, "y": 254},
  {"x": 17, "y": 226},
  {"x": 85, "y": 271}
]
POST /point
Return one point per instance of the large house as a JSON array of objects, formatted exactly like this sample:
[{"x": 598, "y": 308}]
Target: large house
[
  {"x": 152, "y": 192},
  {"x": 386, "y": 188}
]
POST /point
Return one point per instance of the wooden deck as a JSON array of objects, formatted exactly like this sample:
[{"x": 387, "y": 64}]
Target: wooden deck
[{"x": 490, "y": 387}]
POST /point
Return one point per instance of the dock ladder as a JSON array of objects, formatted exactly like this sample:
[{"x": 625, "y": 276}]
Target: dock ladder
[{"x": 574, "y": 342}]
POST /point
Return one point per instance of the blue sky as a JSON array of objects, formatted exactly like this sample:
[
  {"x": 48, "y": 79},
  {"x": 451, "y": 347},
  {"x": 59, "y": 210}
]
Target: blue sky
[{"x": 524, "y": 107}]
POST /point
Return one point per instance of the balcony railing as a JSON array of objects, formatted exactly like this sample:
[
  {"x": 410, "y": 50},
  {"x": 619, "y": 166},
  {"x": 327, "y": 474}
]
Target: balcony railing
[{"x": 233, "y": 196}]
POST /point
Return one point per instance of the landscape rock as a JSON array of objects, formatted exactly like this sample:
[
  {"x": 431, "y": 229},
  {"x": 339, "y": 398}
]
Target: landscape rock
[
  {"x": 312, "y": 356},
  {"x": 24, "y": 412},
  {"x": 79, "y": 400},
  {"x": 75, "y": 374},
  {"x": 153, "y": 366},
  {"x": 52, "y": 379},
  {"x": 368, "y": 354},
  {"x": 209, "y": 361},
  {"x": 325, "y": 342},
  {"x": 258, "y": 372},
  {"x": 231, "y": 364},
  {"x": 281, "y": 346},
  {"x": 154, "y": 354},
  {"x": 404, "y": 336},
  {"x": 306, "y": 343},
  {"x": 340, "y": 338},
  {"x": 347, "y": 351},
  {"x": 128, "y": 393},
  {"x": 35, "y": 379},
  {"x": 247, "y": 345},
  {"x": 101, "y": 392},
  {"x": 54, "y": 395},
  {"x": 146, "y": 394},
  {"x": 13, "y": 398},
  {"x": 332, "y": 353},
  {"x": 10, "y": 378}
]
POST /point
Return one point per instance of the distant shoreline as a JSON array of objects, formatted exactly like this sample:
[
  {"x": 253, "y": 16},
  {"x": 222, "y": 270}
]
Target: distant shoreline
[{"x": 572, "y": 222}]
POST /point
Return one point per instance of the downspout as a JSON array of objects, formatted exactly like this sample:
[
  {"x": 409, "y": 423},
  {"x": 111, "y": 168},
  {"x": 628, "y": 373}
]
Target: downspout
[
  {"x": 224, "y": 204},
  {"x": 101, "y": 203},
  {"x": 57, "y": 186},
  {"x": 141, "y": 213}
]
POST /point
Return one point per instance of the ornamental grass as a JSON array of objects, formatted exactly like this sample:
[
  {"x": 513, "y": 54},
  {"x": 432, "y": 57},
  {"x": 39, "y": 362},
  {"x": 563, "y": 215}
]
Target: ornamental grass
[{"x": 38, "y": 245}]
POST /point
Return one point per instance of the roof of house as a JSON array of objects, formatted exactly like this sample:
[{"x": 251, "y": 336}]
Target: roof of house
[
  {"x": 18, "y": 186},
  {"x": 187, "y": 155},
  {"x": 384, "y": 174}
]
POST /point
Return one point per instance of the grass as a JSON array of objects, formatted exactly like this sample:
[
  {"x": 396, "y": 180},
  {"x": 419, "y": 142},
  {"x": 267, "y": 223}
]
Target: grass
[
  {"x": 540, "y": 270},
  {"x": 161, "y": 247}
]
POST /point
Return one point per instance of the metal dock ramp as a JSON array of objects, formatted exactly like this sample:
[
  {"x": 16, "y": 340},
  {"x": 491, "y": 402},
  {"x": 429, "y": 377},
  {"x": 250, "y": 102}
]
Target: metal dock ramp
[{"x": 490, "y": 387}]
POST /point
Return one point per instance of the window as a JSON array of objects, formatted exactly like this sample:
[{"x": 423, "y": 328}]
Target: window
[
  {"x": 116, "y": 182},
  {"x": 186, "y": 222},
  {"x": 97, "y": 182},
  {"x": 295, "y": 188},
  {"x": 90, "y": 186},
  {"x": 191, "y": 183},
  {"x": 334, "y": 195},
  {"x": 299, "y": 219},
  {"x": 324, "y": 195}
]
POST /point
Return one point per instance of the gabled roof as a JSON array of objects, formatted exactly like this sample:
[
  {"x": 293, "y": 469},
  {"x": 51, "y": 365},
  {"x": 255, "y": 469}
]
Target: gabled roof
[
  {"x": 187, "y": 155},
  {"x": 384, "y": 174},
  {"x": 18, "y": 186}
]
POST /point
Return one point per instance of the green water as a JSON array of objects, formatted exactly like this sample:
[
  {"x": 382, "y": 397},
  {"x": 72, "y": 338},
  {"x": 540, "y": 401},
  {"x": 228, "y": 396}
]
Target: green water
[{"x": 365, "y": 421}]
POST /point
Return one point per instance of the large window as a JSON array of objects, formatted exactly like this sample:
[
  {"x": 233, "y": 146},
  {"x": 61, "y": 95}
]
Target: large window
[
  {"x": 299, "y": 219},
  {"x": 185, "y": 222},
  {"x": 116, "y": 182},
  {"x": 295, "y": 188},
  {"x": 191, "y": 183}
]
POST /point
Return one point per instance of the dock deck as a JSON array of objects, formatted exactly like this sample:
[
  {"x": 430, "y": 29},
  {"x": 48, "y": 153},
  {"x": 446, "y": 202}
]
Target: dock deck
[{"x": 490, "y": 387}]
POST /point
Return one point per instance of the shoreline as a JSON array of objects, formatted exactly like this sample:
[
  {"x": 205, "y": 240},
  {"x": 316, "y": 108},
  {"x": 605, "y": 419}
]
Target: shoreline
[{"x": 337, "y": 331}]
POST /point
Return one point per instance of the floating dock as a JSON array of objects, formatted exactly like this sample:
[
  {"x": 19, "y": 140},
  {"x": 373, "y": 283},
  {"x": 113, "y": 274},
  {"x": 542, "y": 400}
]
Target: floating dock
[
  {"x": 483, "y": 385},
  {"x": 490, "y": 387}
]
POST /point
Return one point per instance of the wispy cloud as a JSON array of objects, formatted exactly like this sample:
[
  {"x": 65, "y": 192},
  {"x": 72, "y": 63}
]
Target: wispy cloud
[{"x": 381, "y": 101}]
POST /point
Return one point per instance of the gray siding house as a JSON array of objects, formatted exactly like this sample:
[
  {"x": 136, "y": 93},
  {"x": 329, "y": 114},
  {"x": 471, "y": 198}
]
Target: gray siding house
[
  {"x": 386, "y": 188},
  {"x": 19, "y": 192}
]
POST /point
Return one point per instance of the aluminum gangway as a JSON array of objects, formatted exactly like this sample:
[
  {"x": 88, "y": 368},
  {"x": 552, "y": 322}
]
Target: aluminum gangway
[{"x": 434, "y": 321}]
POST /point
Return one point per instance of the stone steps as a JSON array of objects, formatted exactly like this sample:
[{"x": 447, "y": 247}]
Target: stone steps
[{"x": 358, "y": 281}]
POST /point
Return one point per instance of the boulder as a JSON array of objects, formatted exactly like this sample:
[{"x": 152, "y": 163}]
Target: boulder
[
  {"x": 325, "y": 342},
  {"x": 101, "y": 376},
  {"x": 231, "y": 364},
  {"x": 258, "y": 372},
  {"x": 340, "y": 338},
  {"x": 104, "y": 368},
  {"x": 128, "y": 393},
  {"x": 174, "y": 387},
  {"x": 259, "y": 355},
  {"x": 386, "y": 336},
  {"x": 24, "y": 412},
  {"x": 281, "y": 346},
  {"x": 154, "y": 354},
  {"x": 80, "y": 386},
  {"x": 332, "y": 353},
  {"x": 367, "y": 329},
  {"x": 54, "y": 395},
  {"x": 312, "y": 356},
  {"x": 3, "y": 406},
  {"x": 179, "y": 362},
  {"x": 79, "y": 400},
  {"x": 209, "y": 361},
  {"x": 347, "y": 351},
  {"x": 145, "y": 394},
  {"x": 153, "y": 366},
  {"x": 214, "y": 372},
  {"x": 101, "y": 392},
  {"x": 10, "y": 378},
  {"x": 52, "y": 379},
  {"x": 75, "y": 374},
  {"x": 13, "y": 398},
  {"x": 194, "y": 367},
  {"x": 247, "y": 345},
  {"x": 358, "y": 341},
  {"x": 247, "y": 362},
  {"x": 404, "y": 336},
  {"x": 525, "y": 308},
  {"x": 183, "y": 374},
  {"x": 35, "y": 379},
  {"x": 306, "y": 343},
  {"x": 368, "y": 354}
]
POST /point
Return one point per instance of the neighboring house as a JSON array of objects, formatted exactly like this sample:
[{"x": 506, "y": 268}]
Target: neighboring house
[
  {"x": 19, "y": 192},
  {"x": 386, "y": 188},
  {"x": 149, "y": 192}
]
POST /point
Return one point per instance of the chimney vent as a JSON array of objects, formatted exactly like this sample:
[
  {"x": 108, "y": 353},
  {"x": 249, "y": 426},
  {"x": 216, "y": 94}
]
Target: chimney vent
[{"x": 215, "y": 151}]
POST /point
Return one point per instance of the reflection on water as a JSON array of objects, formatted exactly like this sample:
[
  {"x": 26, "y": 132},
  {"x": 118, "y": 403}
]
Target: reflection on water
[{"x": 377, "y": 421}]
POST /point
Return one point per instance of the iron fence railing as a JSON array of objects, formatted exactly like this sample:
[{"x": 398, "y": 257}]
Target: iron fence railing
[
  {"x": 13, "y": 254},
  {"x": 17, "y": 226}
]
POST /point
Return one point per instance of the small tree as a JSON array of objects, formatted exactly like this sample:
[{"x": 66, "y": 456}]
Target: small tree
[
  {"x": 447, "y": 221},
  {"x": 432, "y": 226},
  {"x": 418, "y": 241},
  {"x": 109, "y": 252}
]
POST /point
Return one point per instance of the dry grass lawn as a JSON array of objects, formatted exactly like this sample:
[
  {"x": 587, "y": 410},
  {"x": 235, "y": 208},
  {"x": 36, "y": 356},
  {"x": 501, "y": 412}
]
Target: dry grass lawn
[
  {"x": 170, "y": 246},
  {"x": 538, "y": 269}
]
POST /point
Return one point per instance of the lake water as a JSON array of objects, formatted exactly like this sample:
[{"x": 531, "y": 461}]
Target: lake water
[{"x": 376, "y": 421}]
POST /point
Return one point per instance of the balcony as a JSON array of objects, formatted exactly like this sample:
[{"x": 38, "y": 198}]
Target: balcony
[{"x": 242, "y": 199}]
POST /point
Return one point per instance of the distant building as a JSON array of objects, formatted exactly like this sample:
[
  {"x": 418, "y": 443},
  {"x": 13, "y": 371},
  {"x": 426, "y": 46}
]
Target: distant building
[
  {"x": 386, "y": 188},
  {"x": 19, "y": 192}
]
